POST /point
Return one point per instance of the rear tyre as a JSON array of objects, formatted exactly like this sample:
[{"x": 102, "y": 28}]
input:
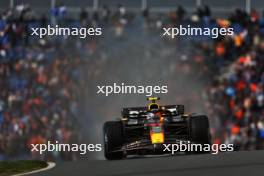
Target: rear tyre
[
  {"x": 113, "y": 140},
  {"x": 199, "y": 131}
]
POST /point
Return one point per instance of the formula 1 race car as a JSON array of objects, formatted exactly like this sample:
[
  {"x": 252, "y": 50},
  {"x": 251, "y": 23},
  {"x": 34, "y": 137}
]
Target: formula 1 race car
[{"x": 145, "y": 130}]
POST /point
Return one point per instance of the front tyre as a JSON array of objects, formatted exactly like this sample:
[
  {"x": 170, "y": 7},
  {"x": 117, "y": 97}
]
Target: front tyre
[
  {"x": 199, "y": 131},
  {"x": 113, "y": 140}
]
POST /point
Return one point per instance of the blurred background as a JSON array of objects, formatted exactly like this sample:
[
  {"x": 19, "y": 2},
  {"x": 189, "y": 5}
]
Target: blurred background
[{"x": 48, "y": 86}]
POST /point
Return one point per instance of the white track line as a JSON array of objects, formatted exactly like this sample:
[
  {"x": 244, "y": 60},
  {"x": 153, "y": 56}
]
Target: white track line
[{"x": 50, "y": 166}]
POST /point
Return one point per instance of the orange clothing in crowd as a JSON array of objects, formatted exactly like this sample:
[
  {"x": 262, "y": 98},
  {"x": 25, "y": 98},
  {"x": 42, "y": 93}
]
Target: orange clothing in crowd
[
  {"x": 235, "y": 129},
  {"x": 239, "y": 114},
  {"x": 241, "y": 85},
  {"x": 253, "y": 87},
  {"x": 220, "y": 49},
  {"x": 238, "y": 40}
]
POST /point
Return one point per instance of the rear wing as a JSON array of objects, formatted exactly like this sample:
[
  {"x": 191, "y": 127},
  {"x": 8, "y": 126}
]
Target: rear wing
[{"x": 134, "y": 112}]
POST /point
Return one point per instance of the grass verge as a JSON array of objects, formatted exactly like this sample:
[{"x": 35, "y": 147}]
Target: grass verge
[{"x": 16, "y": 167}]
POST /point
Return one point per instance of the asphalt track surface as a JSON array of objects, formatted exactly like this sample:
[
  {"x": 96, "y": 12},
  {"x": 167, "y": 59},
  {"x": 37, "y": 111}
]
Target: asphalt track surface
[{"x": 248, "y": 163}]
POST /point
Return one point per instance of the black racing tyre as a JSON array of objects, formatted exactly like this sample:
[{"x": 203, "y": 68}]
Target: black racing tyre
[
  {"x": 113, "y": 139},
  {"x": 199, "y": 130},
  {"x": 180, "y": 109}
]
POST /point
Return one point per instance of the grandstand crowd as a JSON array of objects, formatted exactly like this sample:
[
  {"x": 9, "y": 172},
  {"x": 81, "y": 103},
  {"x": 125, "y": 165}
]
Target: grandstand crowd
[{"x": 40, "y": 81}]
